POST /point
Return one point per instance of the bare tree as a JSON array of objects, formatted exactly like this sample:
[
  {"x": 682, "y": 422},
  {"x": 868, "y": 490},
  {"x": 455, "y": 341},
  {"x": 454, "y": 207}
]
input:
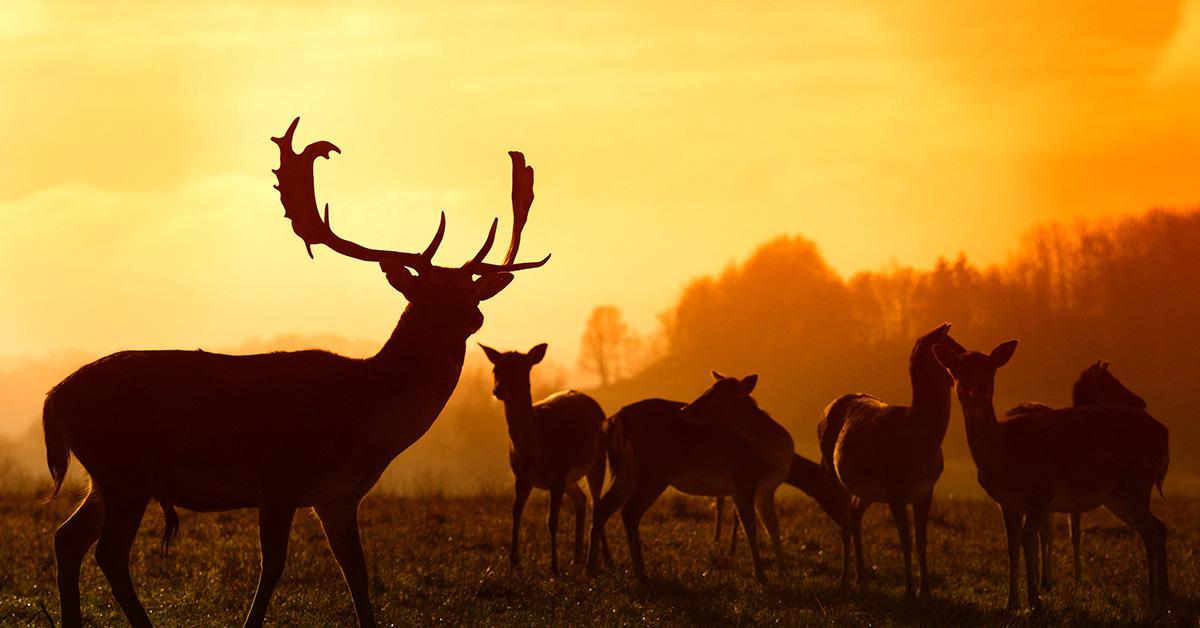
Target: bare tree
[{"x": 608, "y": 346}]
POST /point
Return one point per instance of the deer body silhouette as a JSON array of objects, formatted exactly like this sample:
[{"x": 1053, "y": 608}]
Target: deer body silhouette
[
  {"x": 276, "y": 432},
  {"x": 891, "y": 454},
  {"x": 552, "y": 444},
  {"x": 1096, "y": 386},
  {"x": 720, "y": 444},
  {"x": 1066, "y": 460}
]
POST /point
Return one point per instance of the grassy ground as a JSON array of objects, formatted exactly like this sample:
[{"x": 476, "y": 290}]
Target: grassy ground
[{"x": 445, "y": 560}]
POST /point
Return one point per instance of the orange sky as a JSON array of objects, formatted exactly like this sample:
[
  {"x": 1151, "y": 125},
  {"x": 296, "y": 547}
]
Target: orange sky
[{"x": 138, "y": 211}]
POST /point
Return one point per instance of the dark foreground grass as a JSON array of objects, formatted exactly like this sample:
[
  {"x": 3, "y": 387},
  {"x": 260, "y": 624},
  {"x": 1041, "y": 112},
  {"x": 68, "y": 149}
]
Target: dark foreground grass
[{"x": 445, "y": 560}]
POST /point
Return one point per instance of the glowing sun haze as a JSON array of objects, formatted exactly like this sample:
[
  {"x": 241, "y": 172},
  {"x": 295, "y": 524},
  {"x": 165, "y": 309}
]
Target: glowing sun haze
[{"x": 136, "y": 198}]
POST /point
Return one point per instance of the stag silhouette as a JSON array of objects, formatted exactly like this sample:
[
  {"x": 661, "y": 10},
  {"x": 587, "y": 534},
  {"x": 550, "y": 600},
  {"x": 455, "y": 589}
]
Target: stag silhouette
[{"x": 276, "y": 431}]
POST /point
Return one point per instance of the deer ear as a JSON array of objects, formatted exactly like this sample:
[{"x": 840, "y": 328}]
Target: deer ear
[
  {"x": 536, "y": 354},
  {"x": 946, "y": 356},
  {"x": 399, "y": 276},
  {"x": 748, "y": 383},
  {"x": 1003, "y": 353},
  {"x": 492, "y": 354},
  {"x": 489, "y": 286},
  {"x": 717, "y": 376}
]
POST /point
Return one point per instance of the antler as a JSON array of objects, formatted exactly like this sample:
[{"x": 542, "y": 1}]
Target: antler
[
  {"x": 522, "y": 199},
  {"x": 298, "y": 195}
]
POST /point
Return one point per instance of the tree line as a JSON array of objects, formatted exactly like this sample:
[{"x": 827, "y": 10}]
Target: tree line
[{"x": 1122, "y": 290}]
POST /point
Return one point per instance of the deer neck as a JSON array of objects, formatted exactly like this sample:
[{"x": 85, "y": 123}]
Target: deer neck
[
  {"x": 422, "y": 335},
  {"x": 518, "y": 414},
  {"x": 982, "y": 431},
  {"x": 930, "y": 407},
  {"x": 412, "y": 377}
]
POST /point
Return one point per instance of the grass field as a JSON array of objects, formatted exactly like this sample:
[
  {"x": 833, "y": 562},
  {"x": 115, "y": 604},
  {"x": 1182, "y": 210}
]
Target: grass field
[{"x": 445, "y": 560}]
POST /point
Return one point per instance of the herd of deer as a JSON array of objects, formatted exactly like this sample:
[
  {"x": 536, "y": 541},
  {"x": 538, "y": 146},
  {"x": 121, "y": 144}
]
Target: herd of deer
[{"x": 311, "y": 429}]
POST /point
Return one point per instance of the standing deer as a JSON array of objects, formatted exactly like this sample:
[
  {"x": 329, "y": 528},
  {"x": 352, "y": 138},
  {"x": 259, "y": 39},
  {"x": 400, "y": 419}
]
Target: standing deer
[
  {"x": 552, "y": 444},
  {"x": 1066, "y": 460},
  {"x": 720, "y": 444},
  {"x": 1096, "y": 386},
  {"x": 277, "y": 431},
  {"x": 891, "y": 454}
]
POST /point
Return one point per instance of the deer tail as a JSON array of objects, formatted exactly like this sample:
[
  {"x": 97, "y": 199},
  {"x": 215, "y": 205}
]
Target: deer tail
[
  {"x": 1162, "y": 475},
  {"x": 58, "y": 453},
  {"x": 170, "y": 526}
]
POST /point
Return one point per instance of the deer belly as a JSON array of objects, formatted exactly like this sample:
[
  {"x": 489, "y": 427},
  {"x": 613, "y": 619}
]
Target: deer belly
[
  {"x": 1074, "y": 501},
  {"x": 704, "y": 484}
]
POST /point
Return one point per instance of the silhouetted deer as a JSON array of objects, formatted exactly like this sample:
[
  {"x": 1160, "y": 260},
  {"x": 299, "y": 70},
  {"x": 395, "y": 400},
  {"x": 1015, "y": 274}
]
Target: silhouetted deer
[
  {"x": 891, "y": 454},
  {"x": 552, "y": 444},
  {"x": 1096, "y": 386},
  {"x": 277, "y": 431},
  {"x": 720, "y": 444},
  {"x": 1065, "y": 460},
  {"x": 810, "y": 478}
]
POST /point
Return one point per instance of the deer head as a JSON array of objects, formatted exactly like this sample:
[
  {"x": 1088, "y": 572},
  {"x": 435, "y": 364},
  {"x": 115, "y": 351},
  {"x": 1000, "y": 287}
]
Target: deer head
[
  {"x": 974, "y": 373},
  {"x": 728, "y": 397},
  {"x": 1097, "y": 386},
  {"x": 511, "y": 370},
  {"x": 922, "y": 365},
  {"x": 452, "y": 294}
]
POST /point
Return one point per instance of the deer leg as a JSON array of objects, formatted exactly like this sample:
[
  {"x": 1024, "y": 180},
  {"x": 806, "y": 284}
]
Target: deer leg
[
  {"x": 631, "y": 514},
  {"x": 521, "y": 495},
  {"x": 72, "y": 540},
  {"x": 1046, "y": 540},
  {"x": 860, "y": 565},
  {"x": 1012, "y": 531},
  {"x": 900, "y": 518},
  {"x": 595, "y": 481},
  {"x": 765, "y": 501},
  {"x": 744, "y": 500},
  {"x": 556, "y": 494},
  {"x": 340, "y": 522},
  {"x": 1134, "y": 510},
  {"x": 122, "y": 516},
  {"x": 1076, "y": 533},
  {"x": 623, "y": 485},
  {"x": 921, "y": 523},
  {"x": 735, "y": 524},
  {"x": 720, "y": 516},
  {"x": 1034, "y": 520},
  {"x": 846, "y": 519},
  {"x": 579, "y": 506},
  {"x": 274, "y": 525}
]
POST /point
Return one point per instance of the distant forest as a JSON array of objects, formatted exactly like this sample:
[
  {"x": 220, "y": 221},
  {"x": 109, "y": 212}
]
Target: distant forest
[{"x": 1126, "y": 290}]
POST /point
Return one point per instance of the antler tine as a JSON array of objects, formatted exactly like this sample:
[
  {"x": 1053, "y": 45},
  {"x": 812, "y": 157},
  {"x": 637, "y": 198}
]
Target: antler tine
[
  {"x": 485, "y": 249},
  {"x": 298, "y": 195},
  {"x": 437, "y": 240}
]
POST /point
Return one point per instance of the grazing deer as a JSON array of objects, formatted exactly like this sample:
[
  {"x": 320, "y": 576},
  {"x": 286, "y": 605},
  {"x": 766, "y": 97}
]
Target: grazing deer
[
  {"x": 277, "y": 431},
  {"x": 720, "y": 444},
  {"x": 1066, "y": 460},
  {"x": 810, "y": 478},
  {"x": 552, "y": 444},
  {"x": 1096, "y": 386},
  {"x": 891, "y": 454}
]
